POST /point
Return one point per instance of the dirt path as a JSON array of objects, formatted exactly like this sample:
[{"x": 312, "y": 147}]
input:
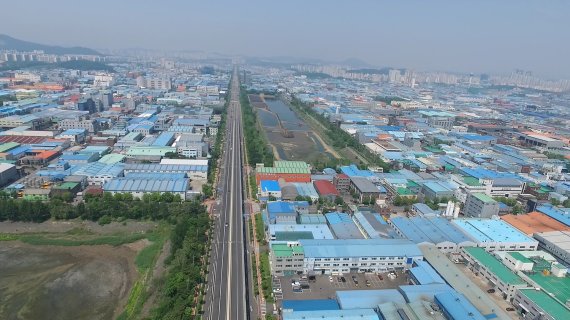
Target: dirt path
[{"x": 157, "y": 275}]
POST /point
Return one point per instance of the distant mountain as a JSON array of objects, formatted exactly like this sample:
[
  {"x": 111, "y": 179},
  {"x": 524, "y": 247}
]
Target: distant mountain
[{"x": 9, "y": 43}]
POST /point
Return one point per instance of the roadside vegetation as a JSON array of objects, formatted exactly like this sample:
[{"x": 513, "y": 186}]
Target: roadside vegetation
[
  {"x": 181, "y": 293},
  {"x": 336, "y": 137},
  {"x": 105, "y": 208}
]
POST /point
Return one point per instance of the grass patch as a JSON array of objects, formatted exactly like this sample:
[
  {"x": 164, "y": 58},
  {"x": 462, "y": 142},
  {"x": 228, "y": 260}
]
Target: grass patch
[
  {"x": 8, "y": 237},
  {"x": 260, "y": 229},
  {"x": 145, "y": 261},
  {"x": 66, "y": 240},
  {"x": 265, "y": 276}
]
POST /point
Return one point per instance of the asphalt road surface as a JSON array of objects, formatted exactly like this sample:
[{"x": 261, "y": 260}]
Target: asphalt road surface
[{"x": 227, "y": 294}]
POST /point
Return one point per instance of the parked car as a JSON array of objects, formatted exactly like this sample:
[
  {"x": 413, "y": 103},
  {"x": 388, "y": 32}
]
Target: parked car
[
  {"x": 368, "y": 283},
  {"x": 343, "y": 279},
  {"x": 510, "y": 309},
  {"x": 491, "y": 291},
  {"x": 380, "y": 277},
  {"x": 330, "y": 278}
]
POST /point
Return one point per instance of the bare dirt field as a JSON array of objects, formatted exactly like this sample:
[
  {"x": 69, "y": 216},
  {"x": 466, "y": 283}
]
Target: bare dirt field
[
  {"x": 67, "y": 281},
  {"x": 53, "y": 282}
]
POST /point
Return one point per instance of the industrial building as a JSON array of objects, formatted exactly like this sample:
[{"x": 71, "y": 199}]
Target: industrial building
[
  {"x": 555, "y": 242},
  {"x": 534, "y": 222},
  {"x": 139, "y": 186},
  {"x": 342, "y": 226},
  {"x": 495, "y": 235},
  {"x": 437, "y": 231},
  {"x": 289, "y": 171},
  {"x": 358, "y": 255},
  {"x": 480, "y": 205},
  {"x": 8, "y": 174},
  {"x": 534, "y": 303},
  {"x": 486, "y": 265},
  {"x": 268, "y": 189}
]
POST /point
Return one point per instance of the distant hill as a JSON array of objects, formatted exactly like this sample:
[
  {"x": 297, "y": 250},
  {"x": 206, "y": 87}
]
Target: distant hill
[
  {"x": 83, "y": 65},
  {"x": 9, "y": 43}
]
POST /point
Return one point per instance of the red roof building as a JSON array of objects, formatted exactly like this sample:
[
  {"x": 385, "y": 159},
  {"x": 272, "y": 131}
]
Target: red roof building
[{"x": 326, "y": 189}]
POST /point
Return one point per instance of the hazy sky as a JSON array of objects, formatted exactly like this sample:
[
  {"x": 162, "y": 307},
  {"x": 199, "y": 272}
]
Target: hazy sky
[{"x": 477, "y": 36}]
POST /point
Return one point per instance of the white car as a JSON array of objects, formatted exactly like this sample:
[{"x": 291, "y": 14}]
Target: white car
[{"x": 330, "y": 278}]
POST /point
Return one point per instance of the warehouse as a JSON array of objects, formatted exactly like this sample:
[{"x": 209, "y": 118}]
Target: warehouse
[
  {"x": 495, "y": 235},
  {"x": 358, "y": 255},
  {"x": 534, "y": 222},
  {"x": 364, "y": 189},
  {"x": 342, "y": 226},
  {"x": 8, "y": 174},
  {"x": 138, "y": 186},
  {"x": 290, "y": 171},
  {"x": 456, "y": 307},
  {"x": 357, "y": 314},
  {"x": 538, "y": 304},
  {"x": 326, "y": 190},
  {"x": 460, "y": 282},
  {"x": 438, "y": 231},
  {"x": 194, "y": 172},
  {"x": 485, "y": 264},
  {"x": 99, "y": 173},
  {"x": 373, "y": 225},
  {"x": 294, "y": 232},
  {"x": 556, "y": 242},
  {"x": 306, "y": 190},
  {"x": 365, "y": 299}
]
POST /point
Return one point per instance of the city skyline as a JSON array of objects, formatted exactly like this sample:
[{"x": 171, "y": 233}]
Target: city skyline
[{"x": 482, "y": 37}]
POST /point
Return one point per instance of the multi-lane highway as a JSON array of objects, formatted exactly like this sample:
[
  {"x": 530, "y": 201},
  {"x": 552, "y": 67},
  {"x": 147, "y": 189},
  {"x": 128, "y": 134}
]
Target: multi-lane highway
[{"x": 227, "y": 294}]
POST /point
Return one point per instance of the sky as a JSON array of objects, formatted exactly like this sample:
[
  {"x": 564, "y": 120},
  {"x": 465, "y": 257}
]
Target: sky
[{"x": 425, "y": 35}]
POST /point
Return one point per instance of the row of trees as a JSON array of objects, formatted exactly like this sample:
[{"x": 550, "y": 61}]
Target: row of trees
[
  {"x": 340, "y": 139},
  {"x": 186, "y": 272},
  {"x": 258, "y": 150},
  {"x": 154, "y": 206}
]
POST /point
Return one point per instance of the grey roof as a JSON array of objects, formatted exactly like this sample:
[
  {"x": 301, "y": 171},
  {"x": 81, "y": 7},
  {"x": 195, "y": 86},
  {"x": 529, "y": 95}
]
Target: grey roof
[{"x": 364, "y": 185}]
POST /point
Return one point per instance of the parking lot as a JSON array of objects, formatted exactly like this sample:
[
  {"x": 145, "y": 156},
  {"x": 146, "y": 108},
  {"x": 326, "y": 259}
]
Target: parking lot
[{"x": 325, "y": 286}]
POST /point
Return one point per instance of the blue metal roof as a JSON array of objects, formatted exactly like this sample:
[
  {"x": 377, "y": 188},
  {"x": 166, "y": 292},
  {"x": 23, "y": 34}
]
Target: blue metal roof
[
  {"x": 342, "y": 226},
  {"x": 562, "y": 215},
  {"x": 360, "y": 248},
  {"x": 364, "y": 299},
  {"x": 155, "y": 175},
  {"x": 280, "y": 207},
  {"x": 353, "y": 171},
  {"x": 434, "y": 230},
  {"x": 164, "y": 139},
  {"x": 173, "y": 168},
  {"x": 356, "y": 314},
  {"x": 310, "y": 305},
  {"x": 423, "y": 292},
  {"x": 457, "y": 307},
  {"x": 489, "y": 230},
  {"x": 425, "y": 274},
  {"x": 269, "y": 186},
  {"x": 146, "y": 185}
]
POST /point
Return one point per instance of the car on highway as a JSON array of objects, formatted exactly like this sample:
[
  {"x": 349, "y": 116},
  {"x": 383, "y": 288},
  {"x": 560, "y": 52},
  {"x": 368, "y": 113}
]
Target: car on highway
[{"x": 227, "y": 224}]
